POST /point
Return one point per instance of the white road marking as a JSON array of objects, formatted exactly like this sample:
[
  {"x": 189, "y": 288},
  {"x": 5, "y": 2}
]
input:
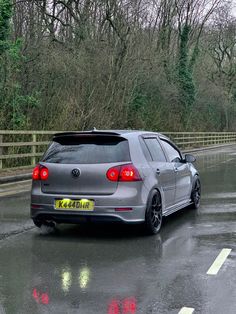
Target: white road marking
[
  {"x": 186, "y": 310},
  {"x": 219, "y": 261}
]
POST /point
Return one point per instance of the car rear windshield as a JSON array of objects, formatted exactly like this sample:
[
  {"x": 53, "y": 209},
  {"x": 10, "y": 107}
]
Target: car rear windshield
[{"x": 87, "y": 150}]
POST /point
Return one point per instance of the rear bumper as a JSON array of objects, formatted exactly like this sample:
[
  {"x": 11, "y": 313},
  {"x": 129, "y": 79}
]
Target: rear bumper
[
  {"x": 133, "y": 195},
  {"x": 104, "y": 214}
]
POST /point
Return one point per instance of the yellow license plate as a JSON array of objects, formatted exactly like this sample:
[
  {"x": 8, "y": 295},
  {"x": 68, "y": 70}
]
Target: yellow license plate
[{"x": 81, "y": 205}]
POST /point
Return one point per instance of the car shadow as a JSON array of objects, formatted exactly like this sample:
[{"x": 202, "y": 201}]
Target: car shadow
[{"x": 115, "y": 231}]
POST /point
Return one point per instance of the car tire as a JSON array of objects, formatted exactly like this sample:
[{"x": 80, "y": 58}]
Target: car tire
[
  {"x": 196, "y": 193},
  {"x": 153, "y": 216},
  {"x": 38, "y": 223}
]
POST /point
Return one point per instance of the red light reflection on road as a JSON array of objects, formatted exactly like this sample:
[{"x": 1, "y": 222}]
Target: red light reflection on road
[
  {"x": 114, "y": 307},
  {"x": 40, "y": 297},
  {"x": 126, "y": 306},
  {"x": 36, "y": 295},
  {"x": 45, "y": 298},
  {"x": 129, "y": 306}
]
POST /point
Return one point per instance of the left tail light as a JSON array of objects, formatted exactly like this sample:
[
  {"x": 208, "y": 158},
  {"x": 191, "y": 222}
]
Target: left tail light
[
  {"x": 36, "y": 173},
  {"x": 40, "y": 173}
]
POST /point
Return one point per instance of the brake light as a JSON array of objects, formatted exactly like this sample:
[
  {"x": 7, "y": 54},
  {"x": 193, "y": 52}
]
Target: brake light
[
  {"x": 113, "y": 174},
  {"x": 36, "y": 173},
  {"x": 123, "y": 173},
  {"x": 40, "y": 173},
  {"x": 129, "y": 173},
  {"x": 44, "y": 173}
]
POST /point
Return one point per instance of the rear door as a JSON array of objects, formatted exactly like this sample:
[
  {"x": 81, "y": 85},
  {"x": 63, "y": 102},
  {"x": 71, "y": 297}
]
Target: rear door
[
  {"x": 182, "y": 172},
  {"x": 163, "y": 170},
  {"x": 78, "y": 164}
]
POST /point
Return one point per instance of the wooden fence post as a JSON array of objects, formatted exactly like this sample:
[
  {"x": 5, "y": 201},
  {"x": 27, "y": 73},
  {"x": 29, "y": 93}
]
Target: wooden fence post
[
  {"x": 33, "y": 149},
  {"x": 1, "y": 150}
]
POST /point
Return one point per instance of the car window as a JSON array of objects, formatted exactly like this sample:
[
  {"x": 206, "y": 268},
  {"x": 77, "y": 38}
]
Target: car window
[
  {"x": 145, "y": 150},
  {"x": 88, "y": 152},
  {"x": 172, "y": 152},
  {"x": 155, "y": 149}
]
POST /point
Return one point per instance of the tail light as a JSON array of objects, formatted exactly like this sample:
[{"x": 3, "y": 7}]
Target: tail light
[
  {"x": 113, "y": 174},
  {"x": 44, "y": 173},
  {"x": 123, "y": 173},
  {"x": 40, "y": 173},
  {"x": 36, "y": 173}
]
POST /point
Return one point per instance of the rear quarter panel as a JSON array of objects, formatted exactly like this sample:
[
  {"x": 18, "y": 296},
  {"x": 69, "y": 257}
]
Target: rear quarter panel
[{"x": 150, "y": 180}]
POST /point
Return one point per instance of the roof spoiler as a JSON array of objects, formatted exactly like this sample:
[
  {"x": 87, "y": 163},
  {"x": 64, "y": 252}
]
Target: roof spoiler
[{"x": 92, "y": 132}]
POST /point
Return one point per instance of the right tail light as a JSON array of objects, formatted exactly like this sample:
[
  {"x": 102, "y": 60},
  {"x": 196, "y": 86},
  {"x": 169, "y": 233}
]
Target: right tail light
[{"x": 123, "y": 173}]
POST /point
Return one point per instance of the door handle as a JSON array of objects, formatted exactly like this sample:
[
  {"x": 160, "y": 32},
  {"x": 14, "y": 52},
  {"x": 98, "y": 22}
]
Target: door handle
[
  {"x": 176, "y": 169},
  {"x": 158, "y": 171}
]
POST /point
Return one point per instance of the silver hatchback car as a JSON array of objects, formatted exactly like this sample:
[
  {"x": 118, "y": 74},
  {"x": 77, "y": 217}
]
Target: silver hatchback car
[{"x": 124, "y": 176}]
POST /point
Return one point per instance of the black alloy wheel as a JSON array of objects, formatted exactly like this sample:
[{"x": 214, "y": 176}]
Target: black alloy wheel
[
  {"x": 196, "y": 194},
  {"x": 153, "y": 219}
]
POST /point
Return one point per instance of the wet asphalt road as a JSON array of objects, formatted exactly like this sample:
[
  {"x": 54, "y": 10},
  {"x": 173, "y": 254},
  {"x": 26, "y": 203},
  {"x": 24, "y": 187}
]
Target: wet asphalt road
[{"x": 118, "y": 270}]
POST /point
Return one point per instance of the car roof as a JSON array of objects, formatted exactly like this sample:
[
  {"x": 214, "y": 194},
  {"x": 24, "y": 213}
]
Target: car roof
[{"x": 108, "y": 132}]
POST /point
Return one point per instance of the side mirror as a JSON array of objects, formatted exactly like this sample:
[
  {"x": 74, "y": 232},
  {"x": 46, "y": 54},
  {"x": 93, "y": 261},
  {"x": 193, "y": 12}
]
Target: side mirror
[{"x": 189, "y": 158}]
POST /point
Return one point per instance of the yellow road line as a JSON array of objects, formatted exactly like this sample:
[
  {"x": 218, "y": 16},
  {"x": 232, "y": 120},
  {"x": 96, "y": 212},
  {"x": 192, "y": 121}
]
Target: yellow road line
[
  {"x": 186, "y": 310},
  {"x": 219, "y": 261}
]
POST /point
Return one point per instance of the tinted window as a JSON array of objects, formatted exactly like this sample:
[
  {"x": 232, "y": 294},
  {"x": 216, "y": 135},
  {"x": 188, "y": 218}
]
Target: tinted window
[
  {"x": 172, "y": 153},
  {"x": 145, "y": 150},
  {"x": 155, "y": 149},
  {"x": 89, "y": 151}
]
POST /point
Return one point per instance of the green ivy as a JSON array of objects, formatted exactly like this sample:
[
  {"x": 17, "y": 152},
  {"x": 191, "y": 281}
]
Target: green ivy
[
  {"x": 5, "y": 15},
  {"x": 15, "y": 105},
  {"x": 20, "y": 105},
  {"x": 186, "y": 83}
]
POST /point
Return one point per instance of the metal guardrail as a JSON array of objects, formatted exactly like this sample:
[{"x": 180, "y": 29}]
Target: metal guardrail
[{"x": 24, "y": 148}]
